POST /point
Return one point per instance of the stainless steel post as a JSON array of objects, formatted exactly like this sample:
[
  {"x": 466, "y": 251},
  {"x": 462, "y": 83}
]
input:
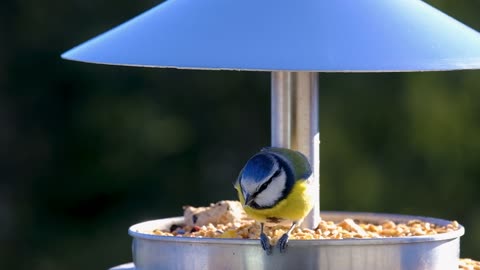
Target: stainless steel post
[
  {"x": 282, "y": 84},
  {"x": 295, "y": 125}
]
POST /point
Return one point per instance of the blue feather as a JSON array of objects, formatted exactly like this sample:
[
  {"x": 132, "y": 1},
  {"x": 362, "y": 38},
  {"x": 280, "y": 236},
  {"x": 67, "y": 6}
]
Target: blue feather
[{"x": 258, "y": 167}]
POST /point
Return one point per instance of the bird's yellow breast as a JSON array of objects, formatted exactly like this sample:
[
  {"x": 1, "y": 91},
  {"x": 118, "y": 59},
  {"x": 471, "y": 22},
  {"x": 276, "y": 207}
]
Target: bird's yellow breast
[{"x": 294, "y": 207}]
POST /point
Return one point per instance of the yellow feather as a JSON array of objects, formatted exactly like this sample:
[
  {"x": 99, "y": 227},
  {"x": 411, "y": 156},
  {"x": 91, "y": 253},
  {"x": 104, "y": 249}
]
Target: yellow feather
[{"x": 294, "y": 207}]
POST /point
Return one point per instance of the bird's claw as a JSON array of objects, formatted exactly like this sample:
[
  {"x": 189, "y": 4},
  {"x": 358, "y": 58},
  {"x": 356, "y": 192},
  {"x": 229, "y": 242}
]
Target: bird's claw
[
  {"x": 265, "y": 243},
  {"x": 282, "y": 243}
]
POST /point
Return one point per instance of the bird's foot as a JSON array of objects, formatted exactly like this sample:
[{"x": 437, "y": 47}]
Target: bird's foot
[
  {"x": 265, "y": 243},
  {"x": 282, "y": 243}
]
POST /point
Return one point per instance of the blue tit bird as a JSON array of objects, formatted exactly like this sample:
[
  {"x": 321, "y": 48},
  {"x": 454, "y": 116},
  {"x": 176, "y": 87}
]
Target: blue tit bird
[{"x": 273, "y": 187}]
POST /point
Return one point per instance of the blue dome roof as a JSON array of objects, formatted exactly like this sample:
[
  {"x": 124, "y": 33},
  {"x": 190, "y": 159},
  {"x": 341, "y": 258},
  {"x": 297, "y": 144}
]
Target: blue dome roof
[{"x": 300, "y": 35}]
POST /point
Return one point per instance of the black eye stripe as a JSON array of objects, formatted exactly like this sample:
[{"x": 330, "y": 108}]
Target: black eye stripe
[
  {"x": 277, "y": 173},
  {"x": 265, "y": 185}
]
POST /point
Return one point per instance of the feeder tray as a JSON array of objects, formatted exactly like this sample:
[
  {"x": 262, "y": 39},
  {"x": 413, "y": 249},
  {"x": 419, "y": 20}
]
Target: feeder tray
[{"x": 429, "y": 252}]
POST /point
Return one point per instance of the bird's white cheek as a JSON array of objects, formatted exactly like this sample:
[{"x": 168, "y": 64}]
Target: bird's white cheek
[
  {"x": 272, "y": 193},
  {"x": 266, "y": 199}
]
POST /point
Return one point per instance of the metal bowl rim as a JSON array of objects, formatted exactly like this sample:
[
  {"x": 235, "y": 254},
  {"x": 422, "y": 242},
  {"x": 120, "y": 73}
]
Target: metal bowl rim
[{"x": 367, "y": 216}]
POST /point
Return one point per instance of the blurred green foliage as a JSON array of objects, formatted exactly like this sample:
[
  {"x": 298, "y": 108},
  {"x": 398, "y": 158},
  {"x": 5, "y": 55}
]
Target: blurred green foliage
[{"x": 88, "y": 150}]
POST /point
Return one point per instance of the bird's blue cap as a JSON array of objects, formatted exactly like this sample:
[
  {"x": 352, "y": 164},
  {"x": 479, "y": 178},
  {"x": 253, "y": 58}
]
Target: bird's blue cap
[{"x": 258, "y": 167}]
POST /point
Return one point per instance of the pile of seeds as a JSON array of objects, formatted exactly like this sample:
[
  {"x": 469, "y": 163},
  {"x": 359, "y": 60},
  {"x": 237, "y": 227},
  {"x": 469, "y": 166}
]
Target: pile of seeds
[
  {"x": 469, "y": 264},
  {"x": 348, "y": 228},
  {"x": 226, "y": 219}
]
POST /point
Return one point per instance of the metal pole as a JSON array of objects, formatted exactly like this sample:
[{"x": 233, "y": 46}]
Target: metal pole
[
  {"x": 282, "y": 84},
  {"x": 295, "y": 125}
]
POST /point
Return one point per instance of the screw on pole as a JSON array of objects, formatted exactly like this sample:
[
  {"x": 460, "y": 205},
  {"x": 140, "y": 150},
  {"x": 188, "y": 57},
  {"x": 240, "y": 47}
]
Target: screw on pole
[{"x": 295, "y": 125}]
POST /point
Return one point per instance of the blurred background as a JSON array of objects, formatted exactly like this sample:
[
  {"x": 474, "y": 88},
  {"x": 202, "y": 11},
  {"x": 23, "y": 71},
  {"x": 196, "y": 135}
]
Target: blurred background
[{"x": 88, "y": 150}]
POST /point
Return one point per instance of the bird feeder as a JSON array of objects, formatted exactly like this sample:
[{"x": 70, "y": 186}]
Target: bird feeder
[{"x": 294, "y": 40}]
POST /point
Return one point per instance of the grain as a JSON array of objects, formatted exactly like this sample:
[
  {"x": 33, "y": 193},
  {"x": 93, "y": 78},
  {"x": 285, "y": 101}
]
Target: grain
[
  {"x": 226, "y": 219},
  {"x": 469, "y": 264}
]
